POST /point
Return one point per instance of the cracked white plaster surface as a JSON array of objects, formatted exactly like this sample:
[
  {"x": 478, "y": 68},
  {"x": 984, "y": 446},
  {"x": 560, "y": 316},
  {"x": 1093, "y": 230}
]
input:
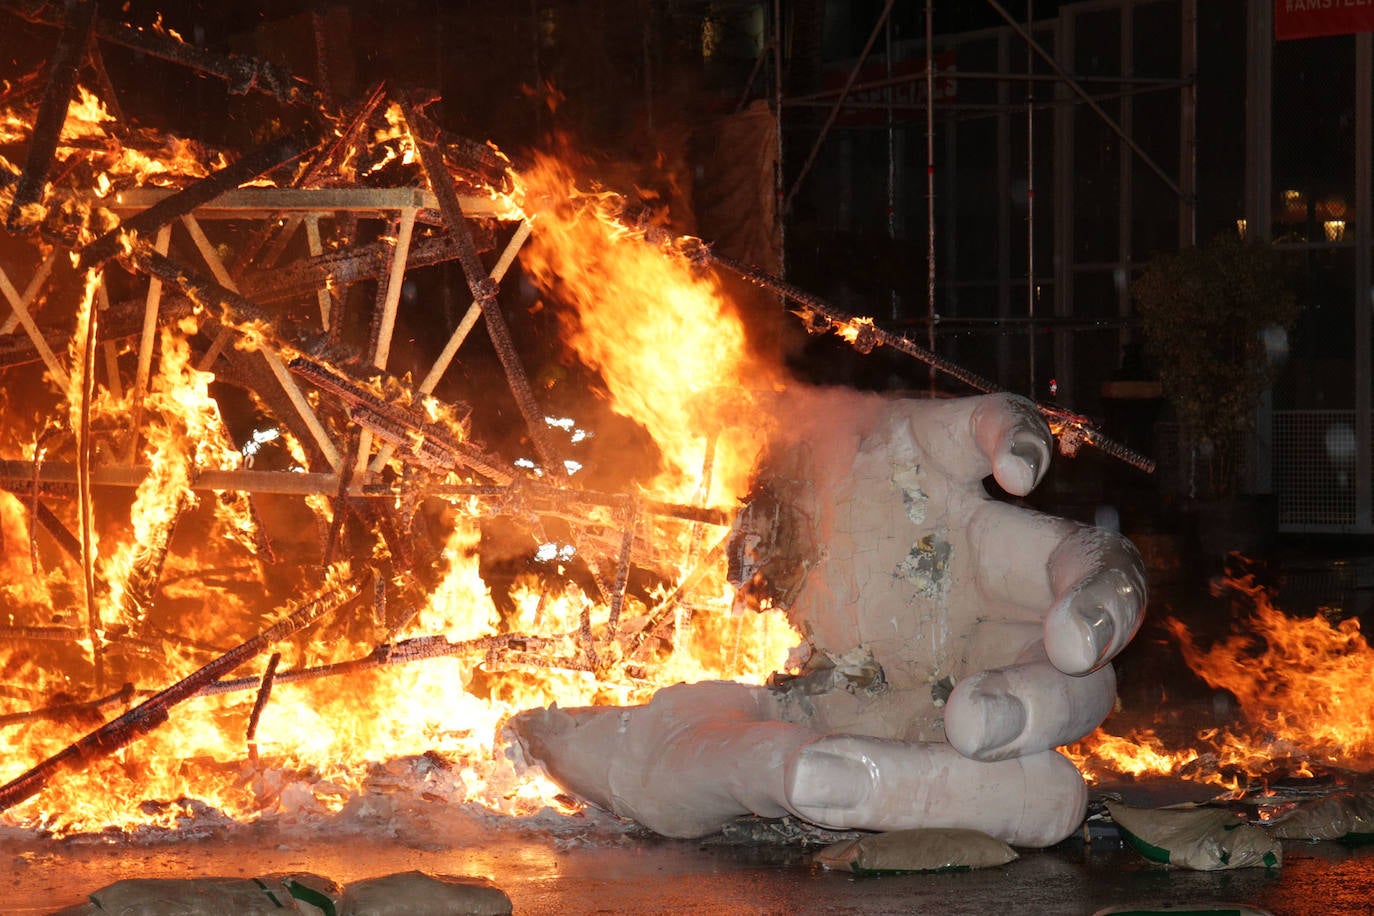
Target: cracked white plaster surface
[{"x": 955, "y": 640}]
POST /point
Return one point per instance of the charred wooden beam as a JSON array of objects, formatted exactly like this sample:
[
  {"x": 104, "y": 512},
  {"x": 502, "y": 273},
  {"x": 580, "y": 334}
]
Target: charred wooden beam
[
  {"x": 325, "y": 156},
  {"x": 243, "y": 74},
  {"x": 482, "y": 286},
  {"x": 121, "y": 697},
  {"x": 234, "y": 308},
  {"x": 415, "y": 437},
  {"x": 155, "y": 710},
  {"x": 398, "y": 653},
  {"x": 63, "y": 67},
  {"x": 341, "y": 499},
  {"x": 338, "y": 269},
  {"x": 264, "y": 159},
  {"x": 264, "y": 693},
  {"x": 69, "y": 543},
  {"x": 42, "y": 634}
]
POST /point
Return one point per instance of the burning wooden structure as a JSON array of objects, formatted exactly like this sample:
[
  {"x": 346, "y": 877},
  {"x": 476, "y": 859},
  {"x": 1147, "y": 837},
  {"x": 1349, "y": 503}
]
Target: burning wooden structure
[{"x": 139, "y": 271}]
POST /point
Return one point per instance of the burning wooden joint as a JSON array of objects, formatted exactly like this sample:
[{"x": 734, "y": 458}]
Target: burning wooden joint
[
  {"x": 258, "y": 162},
  {"x": 482, "y": 286},
  {"x": 343, "y": 267},
  {"x": 231, "y": 307},
  {"x": 416, "y": 438}
]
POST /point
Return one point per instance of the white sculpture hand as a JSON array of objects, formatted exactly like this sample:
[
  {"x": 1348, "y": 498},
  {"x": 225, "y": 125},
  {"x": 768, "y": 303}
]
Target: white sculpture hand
[{"x": 905, "y": 577}]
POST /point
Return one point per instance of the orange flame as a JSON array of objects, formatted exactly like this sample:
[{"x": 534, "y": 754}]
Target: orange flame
[
  {"x": 666, "y": 340},
  {"x": 667, "y": 344},
  {"x": 1303, "y": 690}
]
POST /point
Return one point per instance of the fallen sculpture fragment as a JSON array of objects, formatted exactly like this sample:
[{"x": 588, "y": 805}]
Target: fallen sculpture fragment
[{"x": 953, "y": 640}]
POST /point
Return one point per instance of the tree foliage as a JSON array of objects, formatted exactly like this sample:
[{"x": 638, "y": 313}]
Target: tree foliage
[{"x": 1207, "y": 313}]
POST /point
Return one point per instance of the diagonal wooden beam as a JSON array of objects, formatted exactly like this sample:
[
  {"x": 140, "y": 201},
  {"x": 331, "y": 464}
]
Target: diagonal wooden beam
[
  {"x": 40, "y": 276},
  {"x": 40, "y": 344}
]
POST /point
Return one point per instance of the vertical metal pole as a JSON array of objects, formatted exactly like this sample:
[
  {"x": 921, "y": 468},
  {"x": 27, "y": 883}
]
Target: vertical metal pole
[
  {"x": 930, "y": 189},
  {"x": 893, "y": 310},
  {"x": 1187, "y": 127},
  {"x": 1259, "y": 82},
  {"x": 949, "y": 251},
  {"x": 1259, "y": 79},
  {"x": 1030, "y": 205},
  {"x": 1065, "y": 116},
  {"x": 1124, "y": 176},
  {"x": 1364, "y": 90},
  {"x": 1003, "y": 204},
  {"x": 779, "y": 211}
]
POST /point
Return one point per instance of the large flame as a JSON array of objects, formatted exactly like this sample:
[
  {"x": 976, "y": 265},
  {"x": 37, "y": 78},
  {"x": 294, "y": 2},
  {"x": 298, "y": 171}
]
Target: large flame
[
  {"x": 668, "y": 343},
  {"x": 181, "y": 578},
  {"x": 1302, "y": 688}
]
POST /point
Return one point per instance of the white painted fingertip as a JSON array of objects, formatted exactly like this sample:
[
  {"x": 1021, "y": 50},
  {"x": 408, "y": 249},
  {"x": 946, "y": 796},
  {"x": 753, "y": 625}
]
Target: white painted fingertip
[
  {"x": 983, "y": 718},
  {"x": 1079, "y": 633},
  {"x": 830, "y": 780},
  {"x": 1023, "y": 464}
]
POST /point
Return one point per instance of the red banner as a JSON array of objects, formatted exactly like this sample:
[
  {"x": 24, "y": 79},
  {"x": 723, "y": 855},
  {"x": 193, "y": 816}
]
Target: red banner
[{"x": 1307, "y": 18}]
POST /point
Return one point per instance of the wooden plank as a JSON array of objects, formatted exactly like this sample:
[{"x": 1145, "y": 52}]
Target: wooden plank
[{"x": 258, "y": 203}]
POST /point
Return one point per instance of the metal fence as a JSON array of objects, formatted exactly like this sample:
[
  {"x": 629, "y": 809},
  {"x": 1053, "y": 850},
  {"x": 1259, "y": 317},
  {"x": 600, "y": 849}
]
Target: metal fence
[{"x": 1315, "y": 472}]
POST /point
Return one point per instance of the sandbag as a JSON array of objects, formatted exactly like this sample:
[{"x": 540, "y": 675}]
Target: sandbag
[
  {"x": 415, "y": 893},
  {"x": 934, "y": 849},
  {"x": 1348, "y": 817},
  {"x": 1205, "y": 839},
  {"x": 278, "y": 895}
]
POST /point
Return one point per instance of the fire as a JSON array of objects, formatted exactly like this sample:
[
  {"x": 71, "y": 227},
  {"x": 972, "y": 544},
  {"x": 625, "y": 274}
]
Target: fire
[
  {"x": 664, "y": 337},
  {"x": 1303, "y": 691},
  {"x": 180, "y": 577}
]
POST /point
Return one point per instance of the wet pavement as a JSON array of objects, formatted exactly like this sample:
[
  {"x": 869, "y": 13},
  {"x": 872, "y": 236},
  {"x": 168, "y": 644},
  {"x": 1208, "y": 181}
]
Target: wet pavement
[{"x": 607, "y": 870}]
